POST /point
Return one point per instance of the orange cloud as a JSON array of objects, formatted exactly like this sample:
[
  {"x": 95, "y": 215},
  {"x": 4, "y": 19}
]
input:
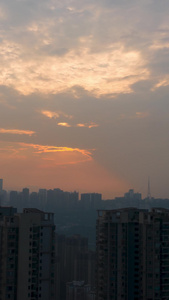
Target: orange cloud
[
  {"x": 91, "y": 125},
  {"x": 141, "y": 115},
  {"x": 162, "y": 82},
  {"x": 55, "y": 115},
  {"x": 58, "y": 114},
  {"x": 112, "y": 71},
  {"x": 81, "y": 154},
  {"x": 64, "y": 124},
  {"x": 137, "y": 115},
  {"x": 157, "y": 45},
  {"x": 17, "y": 131},
  {"x": 86, "y": 125},
  {"x": 50, "y": 114}
]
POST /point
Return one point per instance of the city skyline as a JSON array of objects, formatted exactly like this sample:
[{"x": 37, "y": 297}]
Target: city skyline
[
  {"x": 130, "y": 194},
  {"x": 84, "y": 95},
  {"x": 33, "y": 189}
]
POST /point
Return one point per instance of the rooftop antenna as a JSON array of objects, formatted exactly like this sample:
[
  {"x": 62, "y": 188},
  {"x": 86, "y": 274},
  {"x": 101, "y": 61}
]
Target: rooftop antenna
[{"x": 148, "y": 190}]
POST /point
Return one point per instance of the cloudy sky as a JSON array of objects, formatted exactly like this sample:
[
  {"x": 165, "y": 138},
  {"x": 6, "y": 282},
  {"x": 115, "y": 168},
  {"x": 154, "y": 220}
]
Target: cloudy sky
[{"x": 84, "y": 95}]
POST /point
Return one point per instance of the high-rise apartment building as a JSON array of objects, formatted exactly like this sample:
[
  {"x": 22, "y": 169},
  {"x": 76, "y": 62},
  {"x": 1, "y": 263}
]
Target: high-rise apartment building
[
  {"x": 91, "y": 295},
  {"x": 132, "y": 254},
  {"x": 43, "y": 198},
  {"x": 91, "y": 200},
  {"x": 77, "y": 290},
  {"x": 74, "y": 263},
  {"x": 25, "y": 198},
  {"x": 27, "y": 255}
]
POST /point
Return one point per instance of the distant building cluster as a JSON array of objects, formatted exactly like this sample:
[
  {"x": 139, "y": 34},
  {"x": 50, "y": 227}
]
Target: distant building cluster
[
  {"x": 53, "y": 199},
  {"x": 57, "y": 199}
]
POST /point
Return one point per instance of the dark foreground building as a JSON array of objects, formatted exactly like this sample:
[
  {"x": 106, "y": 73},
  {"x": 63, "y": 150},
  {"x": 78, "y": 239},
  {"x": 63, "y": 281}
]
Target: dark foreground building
[
  {"x": 132, "y": 254},
  {"x": 77, "y": 290},
  {"x": 26, "y": 255}
]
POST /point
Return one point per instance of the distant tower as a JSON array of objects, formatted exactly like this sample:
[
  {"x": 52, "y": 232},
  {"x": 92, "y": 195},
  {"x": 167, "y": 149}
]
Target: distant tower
[
  {"x": 1, "y": 185},
  {"x": 148, "y": 190}
]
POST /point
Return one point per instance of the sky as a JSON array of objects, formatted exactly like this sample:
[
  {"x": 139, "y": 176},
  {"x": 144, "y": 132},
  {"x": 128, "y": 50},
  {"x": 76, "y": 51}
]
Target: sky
[{"x": 84, "y": 95}]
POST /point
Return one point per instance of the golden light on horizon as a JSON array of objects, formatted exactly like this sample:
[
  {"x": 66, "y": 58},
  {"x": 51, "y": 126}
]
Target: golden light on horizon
[{"x": 51, "y": 166}]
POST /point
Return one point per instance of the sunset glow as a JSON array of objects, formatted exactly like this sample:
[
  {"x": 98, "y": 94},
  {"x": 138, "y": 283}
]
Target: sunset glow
[{"x": 84, "y": 91}]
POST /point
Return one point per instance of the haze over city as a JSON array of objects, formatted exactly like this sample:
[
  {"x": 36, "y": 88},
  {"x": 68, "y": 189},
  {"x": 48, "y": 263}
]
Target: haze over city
[{"x": 84, "y": 91}]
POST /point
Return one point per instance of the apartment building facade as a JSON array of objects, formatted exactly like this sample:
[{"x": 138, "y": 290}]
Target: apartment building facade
[
  {"x": 27, "y": 256},
  {"x": 132, "y": 254}
]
